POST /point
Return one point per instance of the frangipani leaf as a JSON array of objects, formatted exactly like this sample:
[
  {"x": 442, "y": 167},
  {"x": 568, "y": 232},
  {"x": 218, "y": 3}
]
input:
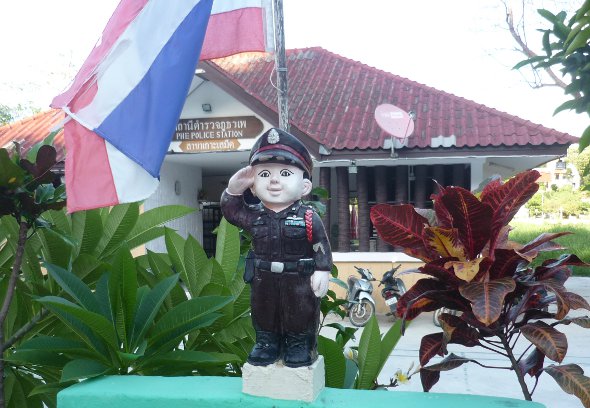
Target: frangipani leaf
[
  {"x": 187, "y": 316},
  {"x": 149, "y": 307},
  {"x": 550, "y": 341},
  {"x": 149, "y": 224},
  {"x": 487, "y": 298},
  {"x": 120, "y": 221},
  {"x": 74, "y": 287},
  {"x": 369, "y": 354},
  {"x": 227, "y": 250},
  {"x": 334, "y": 360},
  {"x": 79, "y": 369},
  {"x": 96, "y": 322}
]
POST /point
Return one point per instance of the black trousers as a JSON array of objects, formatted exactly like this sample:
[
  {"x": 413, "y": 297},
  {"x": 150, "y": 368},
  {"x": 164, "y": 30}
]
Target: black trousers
[{"x": 284, "y": 303}]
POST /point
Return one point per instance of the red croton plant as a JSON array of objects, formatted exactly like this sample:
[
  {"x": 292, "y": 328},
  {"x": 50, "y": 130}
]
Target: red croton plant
[{"x": 473, "y": 268}]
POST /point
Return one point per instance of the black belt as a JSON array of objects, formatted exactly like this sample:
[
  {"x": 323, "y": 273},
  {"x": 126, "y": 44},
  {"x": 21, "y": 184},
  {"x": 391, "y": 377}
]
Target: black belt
[{"x": 280, "y": 267}]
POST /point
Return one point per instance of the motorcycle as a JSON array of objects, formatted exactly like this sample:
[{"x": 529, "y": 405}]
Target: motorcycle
[
  {"x": 393, "y": 289},
  {"x": 361, "y": 305}
]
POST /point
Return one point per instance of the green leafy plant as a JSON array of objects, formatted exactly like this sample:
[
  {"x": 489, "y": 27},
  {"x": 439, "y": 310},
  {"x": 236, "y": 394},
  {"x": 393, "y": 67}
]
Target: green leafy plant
[
  {"x": 473, "y": 268},
  {"x": 121, "y": 327},
  {"x": 28, "y": 187},
  {"x": 566, "y": 45},
  {"x": 176, "y": 313},
  {"x": 353, "y": 366}
]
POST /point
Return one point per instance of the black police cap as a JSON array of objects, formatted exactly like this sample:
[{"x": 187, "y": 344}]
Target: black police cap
[{"x": 278, "y": 146}]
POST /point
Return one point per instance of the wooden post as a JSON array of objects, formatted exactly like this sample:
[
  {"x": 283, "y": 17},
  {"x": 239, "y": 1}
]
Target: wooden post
[
  {"x": 381, "y": 198},
  {"x": 364, "y": 210},
  {"x": 325, "y": 182},
  {"x": 342, "y": 195},
  {"x": 281, "y": 65},
  {"x": 420, "y": 189}
]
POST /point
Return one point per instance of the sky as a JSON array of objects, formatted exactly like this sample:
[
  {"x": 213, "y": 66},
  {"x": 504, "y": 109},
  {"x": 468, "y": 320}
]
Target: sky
[{"x": 459, "y": 46}]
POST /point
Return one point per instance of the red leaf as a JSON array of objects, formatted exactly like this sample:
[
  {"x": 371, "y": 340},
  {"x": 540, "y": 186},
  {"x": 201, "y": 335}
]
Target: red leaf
[
  {"x": 428, "y": 378},
  {"x": 443, "y": 216},
  {"x": 471, "y": 218},
  {"x": 551, "y": 342},
  {"x": 444, "y": 241},
  {"x": 506, "y": 199},
  {"x": 457, "y": 331},
  {"x": 419, "y": 298},
  {"x": 487, "y": 298},
  {"x": 542, "y": 243},
  {"x": 505, "y": 263},
  {"x": 532, "y": 364},
  {"x": 400, "y": 225},
  {"x": 497, "y": 194},
  {"x": 441, "y": 273},
  {"x": 572, "y": 380},
  {"x": 430, "y": 346}
]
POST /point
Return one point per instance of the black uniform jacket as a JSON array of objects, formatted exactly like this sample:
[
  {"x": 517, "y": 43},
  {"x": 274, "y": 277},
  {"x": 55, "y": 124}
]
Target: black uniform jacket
[{"x": 280, "y": 236}]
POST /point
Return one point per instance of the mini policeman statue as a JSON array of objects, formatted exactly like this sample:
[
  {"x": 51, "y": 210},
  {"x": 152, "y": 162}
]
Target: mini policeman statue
[{"x": 290, "y": 265}]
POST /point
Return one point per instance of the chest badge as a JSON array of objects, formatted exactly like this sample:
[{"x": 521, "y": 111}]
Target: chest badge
[{"x": 294, "y": 221}]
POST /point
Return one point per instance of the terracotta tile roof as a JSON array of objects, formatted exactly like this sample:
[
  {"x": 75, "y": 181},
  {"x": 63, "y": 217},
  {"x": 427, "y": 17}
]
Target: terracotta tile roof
[
  {"x": 333, "y": 100},
  {"x": 32, "y": 130}
]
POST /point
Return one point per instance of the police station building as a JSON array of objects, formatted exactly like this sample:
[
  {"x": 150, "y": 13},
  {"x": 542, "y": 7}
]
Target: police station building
[{"x": 332, "y": 102}]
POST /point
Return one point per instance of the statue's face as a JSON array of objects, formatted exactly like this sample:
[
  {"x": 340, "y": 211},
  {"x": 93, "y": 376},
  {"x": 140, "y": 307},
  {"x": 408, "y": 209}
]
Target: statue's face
[{"x": 279, "y": 185}]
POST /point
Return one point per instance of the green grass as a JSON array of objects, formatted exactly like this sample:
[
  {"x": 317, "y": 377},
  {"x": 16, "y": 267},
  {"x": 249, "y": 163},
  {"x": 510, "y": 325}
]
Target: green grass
[{"x": 577, "y": 243}]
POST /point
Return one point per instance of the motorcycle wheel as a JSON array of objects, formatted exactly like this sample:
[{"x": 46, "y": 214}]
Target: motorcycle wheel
[
  {"x": 435, "y": 316},
  {"x": 360, "y": 313},
  {"x": 440, "y": 311}
]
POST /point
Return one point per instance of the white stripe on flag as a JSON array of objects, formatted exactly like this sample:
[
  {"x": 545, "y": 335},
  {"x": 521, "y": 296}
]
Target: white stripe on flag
[
  {"x": 132, "y": 182},
  {"x": 126, "y": 64}
]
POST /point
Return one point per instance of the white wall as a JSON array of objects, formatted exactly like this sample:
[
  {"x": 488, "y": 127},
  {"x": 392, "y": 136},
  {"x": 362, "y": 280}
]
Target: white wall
[{"x": 190, "y": 179}]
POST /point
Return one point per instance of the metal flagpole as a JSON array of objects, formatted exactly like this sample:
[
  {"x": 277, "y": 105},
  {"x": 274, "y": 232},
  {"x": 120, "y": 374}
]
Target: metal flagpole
[{"x": 281, "y": 65}]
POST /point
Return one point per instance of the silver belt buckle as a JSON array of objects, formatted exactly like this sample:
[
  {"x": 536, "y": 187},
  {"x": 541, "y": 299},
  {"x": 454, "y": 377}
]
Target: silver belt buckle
[{"x": 277, "y": 267}]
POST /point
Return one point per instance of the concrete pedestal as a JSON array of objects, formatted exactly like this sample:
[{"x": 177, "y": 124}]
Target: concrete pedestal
[{"x": 280, "y": 382}]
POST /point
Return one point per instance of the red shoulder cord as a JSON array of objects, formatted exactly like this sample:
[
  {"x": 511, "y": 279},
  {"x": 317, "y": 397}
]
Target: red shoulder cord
[{"x": 309, "y": 225}]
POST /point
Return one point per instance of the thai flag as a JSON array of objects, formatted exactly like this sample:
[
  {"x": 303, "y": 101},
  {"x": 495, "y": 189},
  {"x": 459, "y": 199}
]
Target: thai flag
[
  {"x": 125, "y": 102},
  {"x": 238, "y": 26}
]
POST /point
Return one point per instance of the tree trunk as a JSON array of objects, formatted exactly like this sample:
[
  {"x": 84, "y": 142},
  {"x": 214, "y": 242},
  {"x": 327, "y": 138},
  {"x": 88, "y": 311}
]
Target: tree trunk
[
  {"x": 343, "y": 209},
  {"x": 381, "y": 198},
  {"x": 364, "y": 220},
  {"x": 18, "y": 258},
  {"x": 325, "y": 184}
]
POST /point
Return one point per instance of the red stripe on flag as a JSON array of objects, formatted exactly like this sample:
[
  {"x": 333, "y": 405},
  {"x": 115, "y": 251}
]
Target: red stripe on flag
[
  {"x": 124, "y": 14},
  {"x": 89, "y": 181},
  {"x": 234, "y": 32}
]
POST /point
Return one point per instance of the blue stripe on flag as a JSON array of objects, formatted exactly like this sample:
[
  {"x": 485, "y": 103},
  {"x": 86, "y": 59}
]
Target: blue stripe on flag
[{"x": 143, "y": 124}]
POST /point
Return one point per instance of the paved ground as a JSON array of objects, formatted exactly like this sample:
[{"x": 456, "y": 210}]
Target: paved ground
[{"x": 473, "y": 379}]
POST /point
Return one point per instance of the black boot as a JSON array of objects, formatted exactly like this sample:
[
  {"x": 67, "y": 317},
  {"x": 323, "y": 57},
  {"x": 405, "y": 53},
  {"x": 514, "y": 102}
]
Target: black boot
[
  {"x": 266, "y": 350},
  {"x": 300, "y": 349}
]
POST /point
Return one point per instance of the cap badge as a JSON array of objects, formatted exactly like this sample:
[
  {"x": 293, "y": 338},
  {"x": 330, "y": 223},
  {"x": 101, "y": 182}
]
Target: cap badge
[{"x": 273, "y": 137}]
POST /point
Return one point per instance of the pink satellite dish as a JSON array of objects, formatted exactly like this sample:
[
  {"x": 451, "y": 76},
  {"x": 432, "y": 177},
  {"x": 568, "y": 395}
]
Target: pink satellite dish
[{"x": 394, "y": 121}]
